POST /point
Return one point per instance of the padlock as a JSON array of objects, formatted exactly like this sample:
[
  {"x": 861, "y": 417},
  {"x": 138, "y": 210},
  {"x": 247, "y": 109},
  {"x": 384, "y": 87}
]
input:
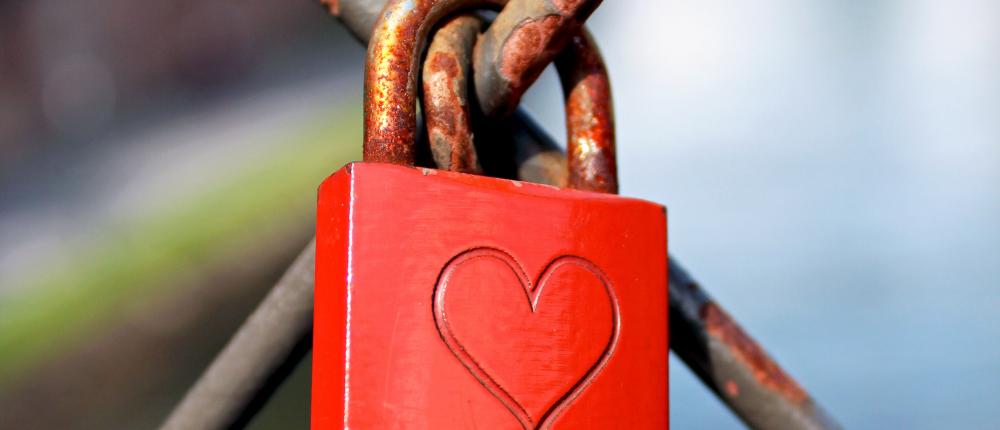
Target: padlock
[{"x": 453, "y": 301}]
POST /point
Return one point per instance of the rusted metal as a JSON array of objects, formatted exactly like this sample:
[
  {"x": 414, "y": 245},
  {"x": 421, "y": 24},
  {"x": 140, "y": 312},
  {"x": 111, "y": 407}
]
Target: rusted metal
[
  {"x": 589, "y": 114},
  {"x": 399, "y": 35},
  {"x": 536, "y": 156},
  {"x": 525, "y": 36},
  {"x": 719, "y": 325},
  {"x": 391, "y": 71},
  {"x": 446, "y": 102},
  {"x": 516, "y": 147},
  {"x": 590, "y": 123},
  {"x": 734, "y": 365}
]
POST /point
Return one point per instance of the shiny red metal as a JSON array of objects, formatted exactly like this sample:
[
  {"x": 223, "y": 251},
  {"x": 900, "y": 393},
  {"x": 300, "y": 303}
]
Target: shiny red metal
[{"x": 440, "y": 304}]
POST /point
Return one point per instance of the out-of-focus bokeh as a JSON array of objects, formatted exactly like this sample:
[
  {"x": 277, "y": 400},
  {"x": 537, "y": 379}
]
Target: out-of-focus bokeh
[{"x": 832, "y": 171}]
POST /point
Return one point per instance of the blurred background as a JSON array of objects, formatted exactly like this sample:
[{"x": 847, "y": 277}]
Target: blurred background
[{"x": 832, "y": 171}]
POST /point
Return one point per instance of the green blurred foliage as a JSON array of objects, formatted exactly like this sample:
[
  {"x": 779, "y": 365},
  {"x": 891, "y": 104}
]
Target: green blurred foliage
[{"x": 136, "y": 261}]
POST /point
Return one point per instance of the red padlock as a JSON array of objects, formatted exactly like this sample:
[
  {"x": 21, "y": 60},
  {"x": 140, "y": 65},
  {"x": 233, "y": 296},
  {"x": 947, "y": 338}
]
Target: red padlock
[{"x": 452, "y": 301}]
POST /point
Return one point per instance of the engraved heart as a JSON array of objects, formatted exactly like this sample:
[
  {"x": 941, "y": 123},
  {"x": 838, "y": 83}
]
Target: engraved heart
[{"x": 534, "y": 346}]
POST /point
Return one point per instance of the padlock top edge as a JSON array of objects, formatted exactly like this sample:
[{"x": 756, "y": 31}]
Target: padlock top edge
[{"x": 500, "y": 184}]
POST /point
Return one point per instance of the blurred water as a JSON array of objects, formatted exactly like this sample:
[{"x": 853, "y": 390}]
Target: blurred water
[{"x": 832, "y": 172}]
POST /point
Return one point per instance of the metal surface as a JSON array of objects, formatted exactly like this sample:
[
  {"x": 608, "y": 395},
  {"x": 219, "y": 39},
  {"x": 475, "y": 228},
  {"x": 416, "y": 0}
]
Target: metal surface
[
  {"x": 268, "y": 346},
  {"x": 391, "y": 70},
  {"x": 516, "y": 147},
  {"x": 358, "y": 16},
  {"x": 446, "y": 103},
  {"x": 481, "y": 317},
  {"x": 524, "y": 38},
  {"x": 733, "y": 365},
  {"x": 513, "y": 147},
  {"x": 590, "y": 123},
  {"x": 589, "y": 115}
]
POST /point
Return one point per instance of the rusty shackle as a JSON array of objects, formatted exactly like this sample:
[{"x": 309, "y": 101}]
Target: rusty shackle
[
  {"x": 391, "y": 70},
  {"x": 390, "y": 95},
  {"x": 589, "y": 116}
]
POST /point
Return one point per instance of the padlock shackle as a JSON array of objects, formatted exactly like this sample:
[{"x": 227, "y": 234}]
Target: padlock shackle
[
  {"x": 446, "y": 108},
  {"x": 590, "y": 119},
  {"x": 391, "y": 71},
  {"x": 523, "y": 39},
  {"x": 589, "y": 116}
]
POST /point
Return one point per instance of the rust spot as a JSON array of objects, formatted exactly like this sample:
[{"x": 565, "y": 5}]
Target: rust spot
[
  {"x": 390, "y": 80},
  {"x": 732, "y": 389},
  {"x": 719, "y": 325},
  {"x": 441, "y": 150},
  {"x": 445, "y": 83},
  {"x": 520, "y": 53},
  {"x": 572, "y": 7},
  {"x": 589, "y": 117},
  {"x": 525, "y": 36},
  {"x": 333, "y": 6},
  {"x": 445, "y": 106}
]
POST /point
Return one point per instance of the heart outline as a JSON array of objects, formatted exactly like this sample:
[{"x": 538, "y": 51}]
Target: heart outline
[{"x": 533, "y": 292}]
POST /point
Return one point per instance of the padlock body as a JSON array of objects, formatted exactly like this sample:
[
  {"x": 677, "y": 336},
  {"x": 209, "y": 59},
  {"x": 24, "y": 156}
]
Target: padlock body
[{"x": 453, "y": 301}]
